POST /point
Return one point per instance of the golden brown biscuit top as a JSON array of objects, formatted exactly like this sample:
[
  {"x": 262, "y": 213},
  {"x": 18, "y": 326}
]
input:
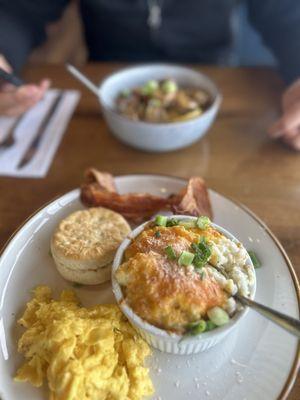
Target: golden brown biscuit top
[{"x": 89, "y": 234}]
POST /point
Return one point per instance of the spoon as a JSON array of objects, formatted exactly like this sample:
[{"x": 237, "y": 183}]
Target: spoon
[
  {"x": 290, "y": 324},
  {"x": 286, "y": 322},
  {"x": 83, "y": 79}
]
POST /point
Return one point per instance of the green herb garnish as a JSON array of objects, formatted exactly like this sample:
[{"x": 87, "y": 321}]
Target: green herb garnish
[
  {"x": 169, "y": 86},
  {"x": 202, "y": 275},
  {"x": 218, "y": 316},
  {"x": 170, "y": 253},
  {"x": 161, "y": 220},
  {"x": 202, "y": 253},
  {"x": 255, "y": 260},
  {"x": 172, "y": 222},
  {"x": 210, "y": 325},
  {"x": 157, "y": 234},
  {"x": 149, "y": 88},
  {"x": 195, "y": 328},
  {"x": 186, "y": 258},
  {"x": 187, "y": 223},
  {"x": 203, "y": 222}
]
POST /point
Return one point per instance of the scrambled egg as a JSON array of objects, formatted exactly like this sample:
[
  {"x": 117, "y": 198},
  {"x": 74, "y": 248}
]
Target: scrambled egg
[{"x": 84, "y": 353}]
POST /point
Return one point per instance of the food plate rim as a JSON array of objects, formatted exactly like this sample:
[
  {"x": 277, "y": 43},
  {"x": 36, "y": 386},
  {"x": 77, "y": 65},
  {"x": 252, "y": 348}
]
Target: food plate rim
[{"x": 287, "y": 387}]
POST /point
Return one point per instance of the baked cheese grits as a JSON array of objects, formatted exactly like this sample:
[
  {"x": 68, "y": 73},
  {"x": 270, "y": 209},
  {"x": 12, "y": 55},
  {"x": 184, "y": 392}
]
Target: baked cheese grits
[{"x": 180, "y": 275}]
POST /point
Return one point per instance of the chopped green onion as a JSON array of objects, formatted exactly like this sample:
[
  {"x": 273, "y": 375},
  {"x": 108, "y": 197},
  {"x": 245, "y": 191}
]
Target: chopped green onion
[
  {"x": 218, "y": 316},
  {"x": 256, "y": 262},
  {"x": 187, "y": 223},
  {"x": 204, "y": 249},
  {"x": 203, "y": 222},
  {"x": 170, "y": 253},
  {"x": 169, "y": 86},
  {"x": 161, "y": 220},
  {"x": 195, "y": 328},
  {"x": 157, "y": 234},
  {"x": 199, "y": 262},
  {"x": 172, "y": 222},
  {"x": 149, "y": 88},
  {"x": 202, "y": 253},
  {"x": 186, "y": 258},
  {"x": 210, "y": 325},
  {"x": 194, "y": 247},
  {"x": 202, "y": 274}
]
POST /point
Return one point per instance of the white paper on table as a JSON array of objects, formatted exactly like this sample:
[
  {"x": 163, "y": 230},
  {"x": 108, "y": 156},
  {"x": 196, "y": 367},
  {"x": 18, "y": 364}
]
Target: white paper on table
[{"x": 28, "y": 128}]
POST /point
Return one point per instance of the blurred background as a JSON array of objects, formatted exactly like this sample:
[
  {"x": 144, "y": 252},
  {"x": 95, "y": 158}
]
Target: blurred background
[{"x": 66, "y": 41}]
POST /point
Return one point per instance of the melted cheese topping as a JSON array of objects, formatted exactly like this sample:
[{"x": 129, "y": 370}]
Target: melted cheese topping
[
  {"x": 176, "y": 236},
  {"x": 159, "y": 290}
]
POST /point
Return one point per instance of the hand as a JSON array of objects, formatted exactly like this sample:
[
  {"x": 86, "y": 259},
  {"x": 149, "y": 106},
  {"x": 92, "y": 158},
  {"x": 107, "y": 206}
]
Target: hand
[
  {"x": 288, "y": 126},
  {"x": 15, "y": 101}
]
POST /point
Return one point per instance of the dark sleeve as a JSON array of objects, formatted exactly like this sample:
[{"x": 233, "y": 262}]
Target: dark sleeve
[
  {"x": 278, "y": 21},
  {"x": 22, "y": 26}
]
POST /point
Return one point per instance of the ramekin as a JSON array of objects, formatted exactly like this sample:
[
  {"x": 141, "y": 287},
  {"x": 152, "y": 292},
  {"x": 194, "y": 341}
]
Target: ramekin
[{"x": 164, "y": 340}]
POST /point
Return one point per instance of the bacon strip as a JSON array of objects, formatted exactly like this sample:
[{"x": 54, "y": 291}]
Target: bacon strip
[
  {"x": 99, "y": 190},
  {"x": 195, "y": 199},
  {"x": 104, "y": 180}
]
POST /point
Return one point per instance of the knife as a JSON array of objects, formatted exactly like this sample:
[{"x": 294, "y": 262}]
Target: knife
[{"x": 34, "y": 145}]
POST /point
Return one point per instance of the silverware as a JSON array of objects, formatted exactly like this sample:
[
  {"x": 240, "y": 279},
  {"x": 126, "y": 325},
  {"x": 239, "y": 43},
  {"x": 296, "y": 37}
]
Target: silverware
[
  {"x": 290, "y": 324},
  {"x": 34, "y": 145},
  {"x": 9, "y": 139},
  {"x": 83, "y": 79},
  {"x": 286, "y": 322}
]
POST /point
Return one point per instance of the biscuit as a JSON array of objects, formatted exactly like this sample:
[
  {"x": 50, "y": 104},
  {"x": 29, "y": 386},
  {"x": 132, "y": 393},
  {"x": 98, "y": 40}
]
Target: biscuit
[
  {"x": 85, "y": 277},
  {"x": 87, "y": 240}
]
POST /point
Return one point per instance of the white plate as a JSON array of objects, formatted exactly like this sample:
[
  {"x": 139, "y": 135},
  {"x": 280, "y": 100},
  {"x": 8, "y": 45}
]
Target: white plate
[{"x": 257, "y": 362}]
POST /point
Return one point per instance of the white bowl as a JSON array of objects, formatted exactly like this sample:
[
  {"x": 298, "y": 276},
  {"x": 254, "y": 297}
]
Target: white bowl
[
  {"x": 156, "y": 137},
  {"x": 159, "y": 338}
]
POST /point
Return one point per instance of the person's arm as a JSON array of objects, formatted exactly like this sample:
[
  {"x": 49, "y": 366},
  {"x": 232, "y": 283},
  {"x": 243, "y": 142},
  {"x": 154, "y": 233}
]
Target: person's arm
[
  {"x": 15, "y": 101},
  {"x": 22, "y": 26},
  {"x": 278, "y": 21}
]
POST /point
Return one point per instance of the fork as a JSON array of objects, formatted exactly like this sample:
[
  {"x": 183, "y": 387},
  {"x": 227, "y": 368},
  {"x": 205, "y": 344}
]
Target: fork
[{"x": 10, "y": 139}]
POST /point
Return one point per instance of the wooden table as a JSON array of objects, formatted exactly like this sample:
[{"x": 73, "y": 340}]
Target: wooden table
[{"x": 236, "y": 158}]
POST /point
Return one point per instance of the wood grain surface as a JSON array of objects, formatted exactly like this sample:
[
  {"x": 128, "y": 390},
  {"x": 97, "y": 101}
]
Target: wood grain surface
[{"x": 236, "y": 157}]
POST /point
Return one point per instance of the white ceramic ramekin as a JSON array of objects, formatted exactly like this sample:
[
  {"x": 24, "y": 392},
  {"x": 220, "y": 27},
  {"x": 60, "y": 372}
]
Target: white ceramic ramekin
[
  {"x": 159, "y": 338},
  {"x": 156, "y": 137}
]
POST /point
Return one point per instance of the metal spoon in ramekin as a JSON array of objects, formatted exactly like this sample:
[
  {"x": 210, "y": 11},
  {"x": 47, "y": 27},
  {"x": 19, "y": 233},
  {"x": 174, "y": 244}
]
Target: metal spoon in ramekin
[
  {"x": 286, "y": 322},
  {"x": 290, "y": 324}
]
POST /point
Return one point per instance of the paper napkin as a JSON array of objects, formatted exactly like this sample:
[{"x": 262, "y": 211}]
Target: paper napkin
[{"x": 26, "y": 131}]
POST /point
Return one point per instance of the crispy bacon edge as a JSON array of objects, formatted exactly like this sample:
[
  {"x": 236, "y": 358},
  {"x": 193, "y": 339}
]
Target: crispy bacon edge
[
  {"x": 99, "y": 190},
  {"x": 194, "y": 199}
]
